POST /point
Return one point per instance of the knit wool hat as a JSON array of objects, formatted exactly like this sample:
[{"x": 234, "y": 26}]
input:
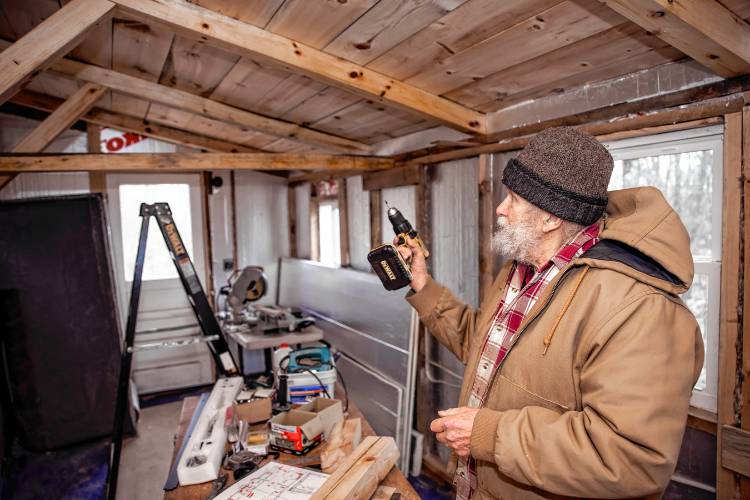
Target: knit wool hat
[{"x": 564, "y": 172}]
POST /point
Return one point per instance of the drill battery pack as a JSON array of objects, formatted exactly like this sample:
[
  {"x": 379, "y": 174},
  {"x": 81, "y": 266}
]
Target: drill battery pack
[{"x": 390, "y": 267}]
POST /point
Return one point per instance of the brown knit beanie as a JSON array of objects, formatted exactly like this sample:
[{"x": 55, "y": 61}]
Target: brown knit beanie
[{"x": 564, "y": 172}]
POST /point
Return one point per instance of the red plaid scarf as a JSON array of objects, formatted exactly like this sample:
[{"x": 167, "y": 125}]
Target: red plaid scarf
[{"x": 522, "y": 290}]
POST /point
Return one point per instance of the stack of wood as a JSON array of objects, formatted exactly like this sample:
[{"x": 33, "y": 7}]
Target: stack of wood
[
  {"x": 359, "y": 475},
  {"x": 343, "y": 440}
]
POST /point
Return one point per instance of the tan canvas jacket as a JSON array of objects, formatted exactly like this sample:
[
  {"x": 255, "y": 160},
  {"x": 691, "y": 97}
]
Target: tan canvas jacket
[{"x": 602, "y": 413}]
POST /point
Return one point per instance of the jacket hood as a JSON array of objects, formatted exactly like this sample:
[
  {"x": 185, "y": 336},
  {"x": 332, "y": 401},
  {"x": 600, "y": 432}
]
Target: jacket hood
[{"x": 644, "y": 238}]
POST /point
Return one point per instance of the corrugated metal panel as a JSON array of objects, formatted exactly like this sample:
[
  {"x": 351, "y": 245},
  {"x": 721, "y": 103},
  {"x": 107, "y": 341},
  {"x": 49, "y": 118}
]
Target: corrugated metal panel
[
  {"x": 371, "y": 326},
  {"x": 404, "y": 198},
  {"x": 358, "y": 215},
  {"x": 302, "y": 206},
  {"x": 262, "y": 224}
]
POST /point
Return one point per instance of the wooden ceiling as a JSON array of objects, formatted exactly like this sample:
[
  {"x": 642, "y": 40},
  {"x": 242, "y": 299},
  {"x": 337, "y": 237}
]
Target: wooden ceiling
[{"x": 482, "y": 54}]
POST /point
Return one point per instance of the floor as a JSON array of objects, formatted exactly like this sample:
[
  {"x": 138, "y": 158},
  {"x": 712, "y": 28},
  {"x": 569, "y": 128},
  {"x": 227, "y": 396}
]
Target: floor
[{"x": 146, "y": 458}]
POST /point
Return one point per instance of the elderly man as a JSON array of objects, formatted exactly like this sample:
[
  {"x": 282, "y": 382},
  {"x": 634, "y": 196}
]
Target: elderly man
[{"x": 581, "y": 361}]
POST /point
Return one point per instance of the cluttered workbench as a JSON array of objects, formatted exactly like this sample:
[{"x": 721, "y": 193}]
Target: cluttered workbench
[{"x": 394, "y": 479}]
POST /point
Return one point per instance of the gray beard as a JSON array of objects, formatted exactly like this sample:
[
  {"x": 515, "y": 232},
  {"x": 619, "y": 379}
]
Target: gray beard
[{"x": 517, "y": 241}]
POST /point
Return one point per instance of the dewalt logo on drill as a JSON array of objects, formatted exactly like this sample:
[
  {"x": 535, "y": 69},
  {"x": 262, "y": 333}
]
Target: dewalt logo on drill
[{"x": 387, "y": 270}]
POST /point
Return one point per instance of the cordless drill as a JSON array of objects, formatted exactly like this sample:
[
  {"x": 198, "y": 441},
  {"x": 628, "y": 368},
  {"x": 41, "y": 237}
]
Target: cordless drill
[{"x": 387, "y": 262}]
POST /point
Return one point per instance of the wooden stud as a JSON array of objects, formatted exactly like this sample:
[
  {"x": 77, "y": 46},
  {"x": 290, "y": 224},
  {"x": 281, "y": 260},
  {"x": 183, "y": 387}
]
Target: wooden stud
[
  {"x": 292, "y": 220},
  {"x": 735, "y": 451},
  {"x": 409, "y": 175},
  {"x": 726, "y": 481},
  {"x": 694, "y": 27},
  {"x": 247, "y": 40},
  {"x": 343, "y": 223},
  {"x": 314, "y": 224},
  {"x": 233, "y": 202},
  {"x": 185, "y": 162},
  {"x": 53, "y": 37},
  {"x": 376, "y": 218},
  {"x": 208, "y": 247},
  {"x": 102, "y": 118},
  {"x": 60, "y": 120},
  {"x": 745, "y": 375},
  {"x": 486, "y": 226},
  {"x": 97, "y": 180}
]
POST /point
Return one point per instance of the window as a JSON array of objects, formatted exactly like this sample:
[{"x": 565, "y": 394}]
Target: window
[
  {"x": 158, "y": 265},
  {"x": 687, "y": 167},
  {"x": 329, "y": 233}
]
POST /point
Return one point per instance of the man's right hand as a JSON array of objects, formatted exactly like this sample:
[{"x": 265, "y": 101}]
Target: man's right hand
[{"x": 412, "y": 253}]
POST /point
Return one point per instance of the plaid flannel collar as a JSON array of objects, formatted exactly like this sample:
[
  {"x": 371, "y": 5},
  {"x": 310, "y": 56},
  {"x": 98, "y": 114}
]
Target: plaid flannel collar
[{"x": 580, "y": 243}]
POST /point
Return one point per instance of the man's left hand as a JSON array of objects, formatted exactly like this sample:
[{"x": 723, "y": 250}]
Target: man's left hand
[{"x": 454, "y": 428}]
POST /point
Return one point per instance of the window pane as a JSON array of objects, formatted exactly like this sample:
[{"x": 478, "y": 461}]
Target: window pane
[
  {"x": 697, "y": 301},
  {"x": 686, "y": 181},
  {"x": 158, "y": 264},
  {"x": 330, "y": 247}
]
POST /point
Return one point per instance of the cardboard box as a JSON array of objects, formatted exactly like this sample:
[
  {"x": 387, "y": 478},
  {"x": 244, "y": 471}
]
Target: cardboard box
[
  {"x": 329, "y": 412},
  {"x": 254, "y": 411},
  {"x": 295, "y": 431}
]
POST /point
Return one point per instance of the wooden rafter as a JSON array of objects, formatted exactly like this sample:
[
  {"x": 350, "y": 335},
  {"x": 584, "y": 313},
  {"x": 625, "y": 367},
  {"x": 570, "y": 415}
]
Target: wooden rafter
[
  {"x": 703, "y": 29},
  {"x": 61, "y": 119},
  {"x": 130, "y": 124},
  {"x": 248, "y": 40},
  {"x": 186, "y": 162},
  {"x": 50, "y": 39}
]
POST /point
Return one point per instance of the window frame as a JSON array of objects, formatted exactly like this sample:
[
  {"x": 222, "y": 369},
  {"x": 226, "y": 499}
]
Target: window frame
[{"x": 711, "y": 137}]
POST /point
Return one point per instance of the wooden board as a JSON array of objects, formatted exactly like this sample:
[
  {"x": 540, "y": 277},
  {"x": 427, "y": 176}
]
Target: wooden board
[
  {"x": 735, "y": 450},
  {"x": 196, "y": 67},
  {"x": 96, "y": 46},
  {"x": 467, "y": 25},
  {"x": 187, "y": 162},
  {"x": 385, "y": 25},
  {"x": 578, "y": 60},
  {"x": 139, "y": 49},
  {"x": 551, "y": 29},
  {"x": 256, "y": 12}
]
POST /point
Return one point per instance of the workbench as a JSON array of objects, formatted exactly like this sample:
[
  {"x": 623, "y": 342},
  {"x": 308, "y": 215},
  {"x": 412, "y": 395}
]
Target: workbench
[{"x": 394, "y": 478}]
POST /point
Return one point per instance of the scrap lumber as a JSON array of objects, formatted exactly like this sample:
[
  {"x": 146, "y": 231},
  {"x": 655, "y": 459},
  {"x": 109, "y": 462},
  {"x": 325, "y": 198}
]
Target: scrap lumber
[
  {"x": 385, "y": 493},
  {"x": 345, "y": 438},
  {"x": 358, "y": 477}
]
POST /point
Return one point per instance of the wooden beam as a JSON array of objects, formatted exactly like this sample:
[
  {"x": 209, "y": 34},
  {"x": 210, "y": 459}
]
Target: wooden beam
[
  {"x": 185, "y": 162},
  {"x": 745, "y": 376},
  {"x": 125, "y": 123},
  {"x": 486, "y": 226},
  {"x": 248, "y": 40},
  {"x": 55, "y": 36},
  {"x": 613, "y": 124},
  {"x": 61, "y": 119},
  {"x": 180, "y": 99},
  {"x": 291, "y": 210},
  {"x": 726, "y": 482},
  {"x": 409, "y": 175},
  {"x": 321, "y": 176},
  {"x": 703, "y": 29},
  {"x": 735, "y": 450}
]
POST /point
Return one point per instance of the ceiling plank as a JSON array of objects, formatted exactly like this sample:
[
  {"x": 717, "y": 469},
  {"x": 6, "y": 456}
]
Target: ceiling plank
[
  {"x": 53, "y": 37},
  {"x": 61, "y": 119},
  {"x": 248, "y": 40},
  {"x": 186, "y": 162},
  {"x": 131, "y": 124},
  {"x": 715, "y": 21},
  {"x": 180, "y": 99},
  {"x": 654, "y": 17}
]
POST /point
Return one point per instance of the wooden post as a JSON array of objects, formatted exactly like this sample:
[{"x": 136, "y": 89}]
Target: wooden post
[
  {"x": 376, "y": 218},
  {"x": 343, "y": 223},
  {"x": 314, "y": 224},
  {"x": 208, "y": 247},
  {"x": 53, "y": 37},
  {"x": 97, "y": 180},
  {"x": 292, "y": 218},
  {"x": 486, "y": 226},
  {"x": 233, "y": 202},
  {"x": 745, "y": 411},
  {"x": 726, "y": 480}
]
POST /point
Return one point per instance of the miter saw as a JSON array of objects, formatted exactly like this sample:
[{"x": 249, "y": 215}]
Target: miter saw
[{"x": 239, "y": 314}]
